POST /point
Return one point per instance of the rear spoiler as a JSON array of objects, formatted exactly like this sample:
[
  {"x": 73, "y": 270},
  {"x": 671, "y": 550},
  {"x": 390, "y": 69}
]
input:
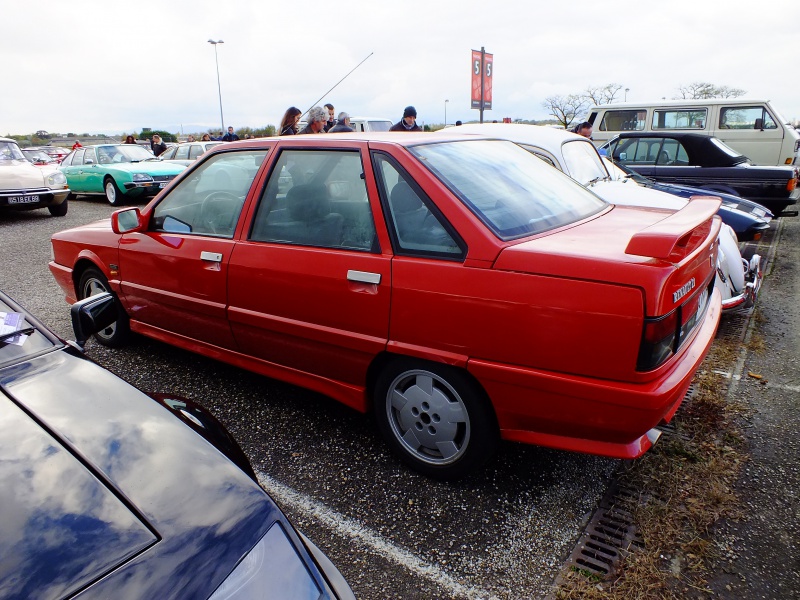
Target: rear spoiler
[{"x": 669, "y": 235}]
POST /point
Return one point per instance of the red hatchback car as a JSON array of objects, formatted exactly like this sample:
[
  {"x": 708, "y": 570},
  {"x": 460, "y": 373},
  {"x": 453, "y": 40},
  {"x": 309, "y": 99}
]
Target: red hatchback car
[{"x": 461, "y": 289}]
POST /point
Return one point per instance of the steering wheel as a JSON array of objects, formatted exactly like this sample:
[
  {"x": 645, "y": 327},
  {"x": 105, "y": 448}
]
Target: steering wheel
[{"x": 219, "y": 211}]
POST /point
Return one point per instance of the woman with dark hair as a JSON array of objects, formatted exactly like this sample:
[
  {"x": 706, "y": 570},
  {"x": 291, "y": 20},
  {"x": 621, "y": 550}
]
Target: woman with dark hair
[
  {"x": 289, "y": 122},
  {"x": 206, "y": 138},
  {"x": 130, "y": 140}
]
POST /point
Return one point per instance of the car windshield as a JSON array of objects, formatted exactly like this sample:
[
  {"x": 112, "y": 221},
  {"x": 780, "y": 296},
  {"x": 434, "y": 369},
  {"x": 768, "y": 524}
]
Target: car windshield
[
  {"x": 38, "y": 155},
  {"x": 582, "y": 162},
  {"x": 618, "y": 172},
  {"x": 123, "y": 153},
  {"x": 10, "y": 151},
  {"x": 19, "y": 338},
  {"x": 513, "y": 192}
]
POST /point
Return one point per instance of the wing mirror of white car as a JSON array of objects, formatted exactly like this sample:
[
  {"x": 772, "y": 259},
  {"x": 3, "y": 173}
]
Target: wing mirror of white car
[{"x": 126, "y": 220}]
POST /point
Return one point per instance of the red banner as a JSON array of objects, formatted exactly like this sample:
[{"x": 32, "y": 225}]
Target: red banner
[{"x": 482, "y": 63}]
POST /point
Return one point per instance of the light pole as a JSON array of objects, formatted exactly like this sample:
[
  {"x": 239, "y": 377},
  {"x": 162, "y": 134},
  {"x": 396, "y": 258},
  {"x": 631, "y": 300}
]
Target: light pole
[
  {"x": 445, "y": 112},
  {"x": 626, "y": 93},
  {"x": 219, "y": 87}
]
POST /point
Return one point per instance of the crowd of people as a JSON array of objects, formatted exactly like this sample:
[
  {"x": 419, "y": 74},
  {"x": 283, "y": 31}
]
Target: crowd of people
[{"x": 323, "y": 119}]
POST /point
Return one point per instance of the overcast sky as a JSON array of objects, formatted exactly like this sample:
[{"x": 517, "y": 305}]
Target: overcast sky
[{"x": 88, "y": 66}]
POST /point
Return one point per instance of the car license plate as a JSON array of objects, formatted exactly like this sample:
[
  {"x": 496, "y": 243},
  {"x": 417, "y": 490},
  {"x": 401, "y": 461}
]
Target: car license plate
[
  {"x": 23, "y": 199},
  {"x": 162, "y": 185}
]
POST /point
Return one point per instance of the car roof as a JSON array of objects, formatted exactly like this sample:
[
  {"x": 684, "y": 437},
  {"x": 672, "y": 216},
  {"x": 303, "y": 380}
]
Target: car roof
[
  {"x": 702, "y": 149},
  {"x": 549, "y": 138}
]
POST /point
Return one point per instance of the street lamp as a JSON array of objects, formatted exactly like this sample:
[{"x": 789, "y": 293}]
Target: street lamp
[
  {"x": 445, "y": 112},
  {"x": 626, "y": 93},
  {"x": 219, "y": 87}
]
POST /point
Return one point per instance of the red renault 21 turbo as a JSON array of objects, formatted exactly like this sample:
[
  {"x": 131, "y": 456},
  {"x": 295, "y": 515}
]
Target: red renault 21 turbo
[{"x": 461, "y": 289}]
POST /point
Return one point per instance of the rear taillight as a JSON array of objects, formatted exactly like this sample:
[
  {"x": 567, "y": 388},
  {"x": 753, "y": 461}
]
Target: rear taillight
[
  {"x": 792, "y": 184},
  {"x": 662, "y": 337}
]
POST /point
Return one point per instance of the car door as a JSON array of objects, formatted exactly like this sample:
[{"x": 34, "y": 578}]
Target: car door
[
  {"x": 174, "y": 275},
  {"x": 753, "y": 131},
  {"x": 74, "y": 172},
  {"x": 310, "y": 289},
  {"x": 95, "y": 163}
]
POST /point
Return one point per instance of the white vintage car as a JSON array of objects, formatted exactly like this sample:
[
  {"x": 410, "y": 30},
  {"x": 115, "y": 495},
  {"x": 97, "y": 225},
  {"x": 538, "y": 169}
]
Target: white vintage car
[
  {"x": 738, "y": 280},
  {"x": 24, "y": 186}
]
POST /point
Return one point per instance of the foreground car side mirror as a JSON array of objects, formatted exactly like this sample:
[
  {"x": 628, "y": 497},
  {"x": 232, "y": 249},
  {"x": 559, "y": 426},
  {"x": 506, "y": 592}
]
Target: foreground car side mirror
[
  {"x": 91, "y": 315},
  {"x": 126, "y": 220}
]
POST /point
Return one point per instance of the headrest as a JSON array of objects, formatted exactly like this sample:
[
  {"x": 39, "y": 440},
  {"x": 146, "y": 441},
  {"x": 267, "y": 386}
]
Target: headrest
[
  {"x": 308, "y": 202},
  {"x": 403, "y": 199}
]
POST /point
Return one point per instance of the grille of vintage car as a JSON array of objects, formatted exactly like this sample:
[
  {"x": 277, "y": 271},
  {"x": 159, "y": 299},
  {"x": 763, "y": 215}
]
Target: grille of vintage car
[{"x": 163, "y": 177}]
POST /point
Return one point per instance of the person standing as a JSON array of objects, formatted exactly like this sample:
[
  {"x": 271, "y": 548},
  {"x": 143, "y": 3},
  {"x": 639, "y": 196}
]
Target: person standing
[
  {"x": 331, "y": 123},
  {"x": 77, "y": 144},
  {"x": 342, "y": 124},
  {"x": 190, "y": 138},
  {"x": 206, "y": 138},
  {"x": 157, "y": 146},
  {"x": 289, "y": 121},
  {"x": 317, "y": 118},
  {"x": 230, "y": 136},
  {"x": 130, "y": 140},
  {"x": 584, "y": 129},
  {"x": 408, "y": 122}
]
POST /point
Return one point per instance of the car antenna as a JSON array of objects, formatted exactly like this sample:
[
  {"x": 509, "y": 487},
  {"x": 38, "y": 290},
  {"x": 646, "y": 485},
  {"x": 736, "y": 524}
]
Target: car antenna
[{"x": 337, "y": 83}]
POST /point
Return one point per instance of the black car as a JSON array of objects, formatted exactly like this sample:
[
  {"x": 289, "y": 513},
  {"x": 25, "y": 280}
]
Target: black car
[
  {"x": 705, "y": 162},
  {"x": 104, "y": 493},
  {"x": 748, "y": 219}
]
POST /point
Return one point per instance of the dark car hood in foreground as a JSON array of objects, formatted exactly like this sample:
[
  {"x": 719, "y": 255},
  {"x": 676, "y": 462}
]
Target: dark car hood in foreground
[{"x": 103, "y": 487}]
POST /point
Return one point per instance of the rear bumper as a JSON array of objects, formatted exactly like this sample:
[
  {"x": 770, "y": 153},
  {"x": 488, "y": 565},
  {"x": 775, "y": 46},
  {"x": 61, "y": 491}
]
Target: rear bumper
[
  {"x": 748, "y": 296},
  {"x": 608, "y": 418}
]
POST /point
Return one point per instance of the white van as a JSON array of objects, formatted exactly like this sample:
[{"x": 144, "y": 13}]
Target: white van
[
  {"x": 752, "y": 127},
  {"x": 370, "y": 123}
]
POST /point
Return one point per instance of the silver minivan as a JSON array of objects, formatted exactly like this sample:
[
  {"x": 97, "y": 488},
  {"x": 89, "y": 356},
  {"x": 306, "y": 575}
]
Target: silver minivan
[{"x": 753, "y": 127}]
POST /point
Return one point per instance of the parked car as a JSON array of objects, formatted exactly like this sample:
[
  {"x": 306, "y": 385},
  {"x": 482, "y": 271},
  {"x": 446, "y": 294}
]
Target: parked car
[
  {"x": 24, "y": 186},
  {"x": 748, "y": 219},
  {"x": 739, "y": 280},
  {"x": 57, "y": 153},
  {"x": 186, "y": 153},
  {"x": 38, "y": 157},
  {"x": 110, "y": 493},
  {"x": 705, "y": 162},
  {"x": 118, "y": 171},
  {"x": 461, "y": 289}
]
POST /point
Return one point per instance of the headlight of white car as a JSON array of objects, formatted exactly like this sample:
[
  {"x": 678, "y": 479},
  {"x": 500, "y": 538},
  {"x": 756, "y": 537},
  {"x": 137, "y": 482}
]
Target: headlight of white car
[
  {"x": 142, "y": 177},
  {"x": 56, "y": 179}
]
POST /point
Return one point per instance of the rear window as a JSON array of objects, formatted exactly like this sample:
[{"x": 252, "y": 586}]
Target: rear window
[{"x": 514, "y": 193}]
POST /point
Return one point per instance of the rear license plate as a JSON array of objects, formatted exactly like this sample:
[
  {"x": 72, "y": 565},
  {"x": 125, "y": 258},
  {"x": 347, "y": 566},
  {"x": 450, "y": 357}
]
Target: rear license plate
[{"x": 23, "y": 199}]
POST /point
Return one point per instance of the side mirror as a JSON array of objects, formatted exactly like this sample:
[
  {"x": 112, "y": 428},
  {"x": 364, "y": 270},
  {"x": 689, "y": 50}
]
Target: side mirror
[
  {"x": 759, "y": 124},
  {"x": 91, "y": 315},
  {"x": 126, "y": 221}
]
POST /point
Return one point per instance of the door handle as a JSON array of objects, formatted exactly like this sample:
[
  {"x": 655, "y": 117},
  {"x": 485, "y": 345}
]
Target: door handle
[
  {"x": 211, "y": 256},
  {"x": 364, "y": 277}
]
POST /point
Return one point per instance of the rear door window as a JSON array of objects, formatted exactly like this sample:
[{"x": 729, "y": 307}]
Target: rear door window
[
  {"x": 623, "y": 120},
  {"x": 680, "y": 118}
]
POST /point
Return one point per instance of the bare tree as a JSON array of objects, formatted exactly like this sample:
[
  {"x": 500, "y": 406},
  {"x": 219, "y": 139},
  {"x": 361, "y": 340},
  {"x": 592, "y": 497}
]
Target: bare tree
[
  {"x": 702, "y": 89},
  {"x": 565, "y": 109},
  {"x": 602, "y": 95}
]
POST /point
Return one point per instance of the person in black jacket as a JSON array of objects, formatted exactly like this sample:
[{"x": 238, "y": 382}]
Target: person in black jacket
[
  {"x": 230, "y": 136},
  {"x": 342, "y": 124},
  {"x": 289, "y": 121},
  {"x": 157, "y": 146},
  {"x": 408, "y": 122}
]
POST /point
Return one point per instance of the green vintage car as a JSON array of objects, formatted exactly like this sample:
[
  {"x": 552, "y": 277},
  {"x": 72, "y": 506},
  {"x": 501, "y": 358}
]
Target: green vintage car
[{"x": 120, "y": 171}]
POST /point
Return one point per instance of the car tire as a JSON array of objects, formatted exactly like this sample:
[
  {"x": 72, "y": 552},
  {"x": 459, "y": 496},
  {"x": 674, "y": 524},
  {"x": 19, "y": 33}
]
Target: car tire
[
  {"x": 93, "y": 282},
  {"x": 113, "y": 194},
  {"x": 59, "y": 210},
  {"x": 436, "y": 418}
]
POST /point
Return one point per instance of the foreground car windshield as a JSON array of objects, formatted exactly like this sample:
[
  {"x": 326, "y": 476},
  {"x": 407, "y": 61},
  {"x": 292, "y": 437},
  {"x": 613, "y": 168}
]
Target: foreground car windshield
[
  {"x": 9, "y": 151},
  {"x": 123, "y": 153},
  {"x": 18, "y": 337},
  {"x": 514, "y": 193}
]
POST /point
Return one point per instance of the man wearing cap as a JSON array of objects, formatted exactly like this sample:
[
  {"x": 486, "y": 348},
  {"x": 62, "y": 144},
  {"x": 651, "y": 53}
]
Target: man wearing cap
[{"x": 408, "y": 122}]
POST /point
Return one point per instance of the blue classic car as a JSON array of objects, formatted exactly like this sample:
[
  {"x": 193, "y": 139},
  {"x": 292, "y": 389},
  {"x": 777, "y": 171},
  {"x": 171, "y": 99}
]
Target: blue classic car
[
  {"x": 704, "y": 162},
  {"x": 110, "y": 493},
  {"x": 119, "y": 171}
]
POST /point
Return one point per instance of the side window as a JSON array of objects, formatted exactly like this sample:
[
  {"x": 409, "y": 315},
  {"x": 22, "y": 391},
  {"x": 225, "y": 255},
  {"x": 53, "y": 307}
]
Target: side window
[
  {"x": 67, "y": 161},
  {"x": 414, "y": 227},
  {"x": 680, "y": 118},
  {"x": 182, "y": 152},
  {"x": 78, "y": 158},
  {"x": 316, "y": 198},
  {"x": 623, "y": 120},
  {"x": 746, "y": 117},
  {"x": 195, "y": 150},
  {"x": 210, "y": 200},
  {"x": 670, "y": 151}
]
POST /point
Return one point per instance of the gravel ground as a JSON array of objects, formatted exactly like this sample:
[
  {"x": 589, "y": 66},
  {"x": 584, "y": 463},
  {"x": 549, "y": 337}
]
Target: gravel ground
[{"x": 761, "y": 551}]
